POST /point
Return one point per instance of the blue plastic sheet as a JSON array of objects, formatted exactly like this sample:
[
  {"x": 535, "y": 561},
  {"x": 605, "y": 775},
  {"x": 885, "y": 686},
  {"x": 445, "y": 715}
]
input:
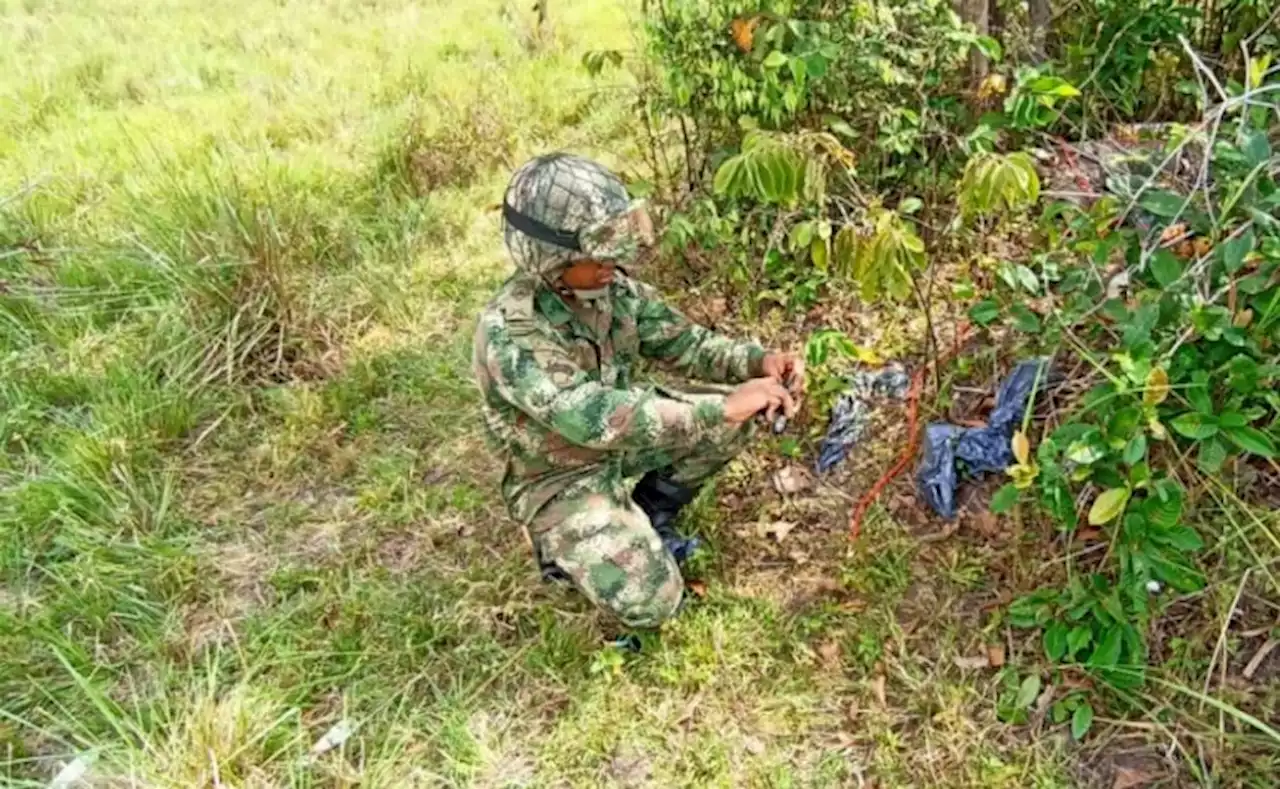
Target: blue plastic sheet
[
  {"x": 951, "y": 451},
  {"x": 852, "y": 412}
]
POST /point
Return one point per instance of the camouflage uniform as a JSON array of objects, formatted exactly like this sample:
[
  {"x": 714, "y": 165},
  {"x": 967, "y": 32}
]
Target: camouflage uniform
[{"x": 577, "y": 430}]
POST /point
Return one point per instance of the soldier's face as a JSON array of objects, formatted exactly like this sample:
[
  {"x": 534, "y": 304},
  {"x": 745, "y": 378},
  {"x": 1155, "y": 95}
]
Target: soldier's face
[{"x": 588, "y": 275}]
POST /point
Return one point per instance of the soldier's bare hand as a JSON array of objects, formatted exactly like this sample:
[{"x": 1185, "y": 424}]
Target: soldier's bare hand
[
  {"x": 787, "y": 369},
  {"x": 761, "y": 395}
]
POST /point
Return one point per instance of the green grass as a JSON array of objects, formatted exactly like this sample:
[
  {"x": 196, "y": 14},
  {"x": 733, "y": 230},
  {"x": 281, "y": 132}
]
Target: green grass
[{"x": 243, "y": 487}]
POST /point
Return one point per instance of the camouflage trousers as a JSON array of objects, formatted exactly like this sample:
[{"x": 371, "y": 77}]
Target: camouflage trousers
[{"x": 604, "y": 542}]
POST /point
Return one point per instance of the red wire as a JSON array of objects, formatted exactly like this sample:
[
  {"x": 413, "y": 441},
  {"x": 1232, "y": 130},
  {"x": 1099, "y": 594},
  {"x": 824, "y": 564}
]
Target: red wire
[{"x": 913, "y": 440}]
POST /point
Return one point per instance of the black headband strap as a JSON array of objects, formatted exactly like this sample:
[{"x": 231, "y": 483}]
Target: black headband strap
[{"x": 535, "y": 229}]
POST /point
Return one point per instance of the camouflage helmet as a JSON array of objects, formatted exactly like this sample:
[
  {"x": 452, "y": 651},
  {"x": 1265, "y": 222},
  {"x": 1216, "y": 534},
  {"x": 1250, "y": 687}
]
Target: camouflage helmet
[{"x": 560, "y": 209}]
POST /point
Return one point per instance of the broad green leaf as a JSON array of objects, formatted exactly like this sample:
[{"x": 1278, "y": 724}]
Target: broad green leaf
[
  {"x": 1078, "y": 639},
  {"x": 1108, "y": 506},
  {"x": 1028, "y": 692},
  {"x": 801, "y": 236},
  {"x": 1107, "y": 655},
  {"x": 1230, "y": 419},
  {"x": 1184, "y": 538},
  {"x": 1055, "y": 641},
  {"x": 1256, "y": 148},
  {"x": 775, "y": 60},
  {"x": 1004, "y": 499},
  {"x": 1166, "y": 268},
  {"x": 1213, "y": 453},
  {"x": 1024, "y": 320},
  {"x": 1081, "y": 721},
  {"x": 1252, "y": 440},
  {"x": 1198, "y": 393},
  {"x": 1085, "y": 452},
  {"x": 990, "y": 47},
  {"x": 1135, "y": 450},
  {"x": 1027, "y": 278},
  {"x": 819, "y": 254},
  {"x": 910, "y": 205},
  {"x": 727, "y": 175},
  {"x": 1235, "y": 250},
  {"x": 984, "y": 313},
  {"x": 1125, "y": 422},
  {"x": 1195, "y": 425},
  {"x": 1162, "y": 203}
]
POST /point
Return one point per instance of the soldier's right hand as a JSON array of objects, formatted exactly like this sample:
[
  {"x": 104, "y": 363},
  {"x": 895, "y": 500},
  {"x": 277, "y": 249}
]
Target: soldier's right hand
[{"x": 761, "y": 395}]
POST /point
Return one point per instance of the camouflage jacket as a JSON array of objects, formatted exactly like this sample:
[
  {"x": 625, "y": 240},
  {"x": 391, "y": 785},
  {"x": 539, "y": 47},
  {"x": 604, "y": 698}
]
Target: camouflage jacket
[{"x": 559, "y": 397}]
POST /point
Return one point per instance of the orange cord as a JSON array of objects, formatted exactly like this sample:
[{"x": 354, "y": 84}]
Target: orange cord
[{"x": 913, "y": 440}]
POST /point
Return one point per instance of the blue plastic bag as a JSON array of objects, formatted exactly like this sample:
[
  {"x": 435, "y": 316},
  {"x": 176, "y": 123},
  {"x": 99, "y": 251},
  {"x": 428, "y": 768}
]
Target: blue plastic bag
[{"x": 950, "y": 450}]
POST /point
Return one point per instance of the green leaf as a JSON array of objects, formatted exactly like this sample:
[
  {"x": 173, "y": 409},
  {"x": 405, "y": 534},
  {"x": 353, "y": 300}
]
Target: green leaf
[
  {"x": 1055, "y": 641},
  {"x": 990, "y": 47},
  {"x": 1135, "y": 450},
  {"x": 801, "y": 236},
  {"x": 727, "y": 176},
  {"x": 1078, "y": 639},
  {"x": 1085, "y": 452},
  {"x": 1027, "y": 278},
  {"x": 1252, "y": 440},
  {"x": 1108, "y": 506},
  {"x": 1028, "y": 692},
  {"x": 984, "y": 313},
  {"x": 1184, "y": 538},
  {"x": 1005, "y": 499},
  {"x": 1195, "y": 425},
  {"x": 1256, "y": 148},
  {"x": 910, "y": 205},
  {"x": 1107, "y": 655},
  {"x": 1024, "y": 320},
  {"x": 1198, "y": 393},
  {"x": 1081, "y": 721},
  {"x": 1235, "y": 250},
  {"x": 1166, "y": 268},
  {"x": 1162, "y": 203},
  {"x": 1213, "y": 453},
  {"x": 775, "y": 60}
]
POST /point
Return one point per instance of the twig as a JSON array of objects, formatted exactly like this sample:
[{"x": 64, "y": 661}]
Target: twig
[{"x": 1222, "y": 636}]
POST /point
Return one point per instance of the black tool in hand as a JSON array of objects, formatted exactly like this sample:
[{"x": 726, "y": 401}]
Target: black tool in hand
[{"x": 779, "y": 425}]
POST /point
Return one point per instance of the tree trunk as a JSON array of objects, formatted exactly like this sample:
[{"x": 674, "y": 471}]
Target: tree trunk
[
  {"x": 978, "y": 14},
  {"x": 1041, "y": 16}
]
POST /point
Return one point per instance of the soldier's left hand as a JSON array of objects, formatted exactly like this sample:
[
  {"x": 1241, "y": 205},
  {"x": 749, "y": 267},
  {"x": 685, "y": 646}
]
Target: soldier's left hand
[{"x": 787, "y": 369}]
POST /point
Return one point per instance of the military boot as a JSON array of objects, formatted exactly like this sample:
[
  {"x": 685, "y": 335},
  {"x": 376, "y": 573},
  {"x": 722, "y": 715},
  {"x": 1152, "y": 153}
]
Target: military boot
[{"x": 662, "y": 498}]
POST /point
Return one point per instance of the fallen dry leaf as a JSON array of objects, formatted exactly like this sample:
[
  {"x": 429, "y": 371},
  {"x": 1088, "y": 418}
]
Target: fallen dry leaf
[
  {"x": 987, "y": 524},
  {"x": 947, "y": 531},
  {"x": 877, "y": 688},
  {"x": 1261, "y": 655},
  {"x": 1173, "y": 233},
  {"x": 753, "y": 745},
  {"x": 829, "y": 651},
  {"x": 778, "y": 530},
  {"x": 971, "y": 663},
  {"x": 1129, "y": 777},
  {"x": 791, "y": 479},
  {"x": 995, "y": 655}
]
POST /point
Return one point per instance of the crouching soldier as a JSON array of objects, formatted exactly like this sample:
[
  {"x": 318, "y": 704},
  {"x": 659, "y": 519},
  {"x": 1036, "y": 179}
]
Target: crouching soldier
[{"x": 598, "y": 465}]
